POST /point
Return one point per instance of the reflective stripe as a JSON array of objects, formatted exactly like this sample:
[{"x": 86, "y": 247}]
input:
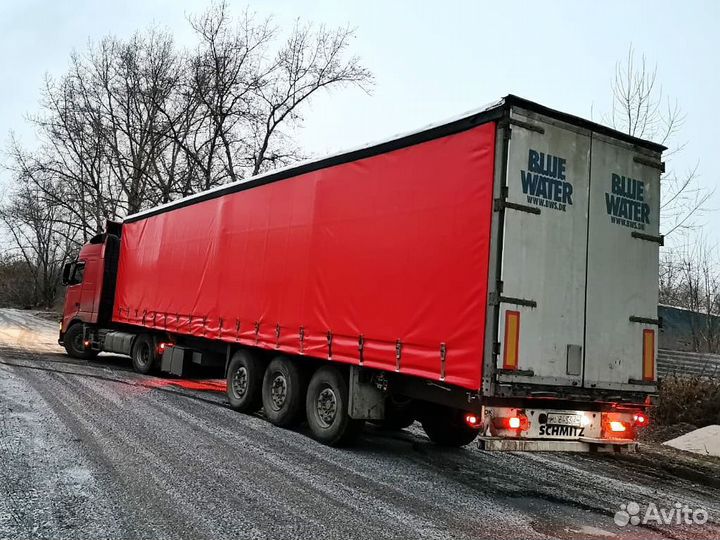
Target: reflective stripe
[
  {"x": 649, "y": 355},
  {"x": 512, "y": 336}
]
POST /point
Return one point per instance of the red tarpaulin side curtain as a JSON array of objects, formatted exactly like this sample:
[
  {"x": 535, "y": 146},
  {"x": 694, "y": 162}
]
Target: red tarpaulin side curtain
[{"x": 381, "y": 261}]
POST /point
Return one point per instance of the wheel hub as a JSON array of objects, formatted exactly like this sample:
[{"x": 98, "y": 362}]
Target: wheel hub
[
  {"x": 240, "y": 382},
  {"x": 326, "y": 407},
  {"x": 278, "y": 391},
  {"x": 144, "y": 356},
  {"x": 78, "y": 342}
]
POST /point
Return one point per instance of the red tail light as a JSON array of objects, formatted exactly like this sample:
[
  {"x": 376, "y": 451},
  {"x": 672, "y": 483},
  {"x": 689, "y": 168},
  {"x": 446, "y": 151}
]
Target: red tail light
[
  {"x": 618, "y": 425},
  {"x": 640, "y": 419},
  {"x": 518, "y": 422},
  {"x": 472, "y": 420}
]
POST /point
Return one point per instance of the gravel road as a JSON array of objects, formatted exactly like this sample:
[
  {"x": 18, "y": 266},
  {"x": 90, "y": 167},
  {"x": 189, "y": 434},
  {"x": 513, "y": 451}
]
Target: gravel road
[{"x": 94, "y": 450}]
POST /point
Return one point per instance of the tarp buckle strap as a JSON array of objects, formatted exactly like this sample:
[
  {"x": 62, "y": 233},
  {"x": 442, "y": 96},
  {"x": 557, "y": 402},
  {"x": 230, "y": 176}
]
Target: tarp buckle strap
[
  {"x": 329, "y": 342},
  {"x": 398, "y": 354},
  {"x": 277, "y": 336},
  {"x": 361, "y": 348},
  {"x": 237, "y": 329},
  {"x": 302, "y": 340},
  {"x": 443, "y": 358},
  {"x": 257, "y": 331}
]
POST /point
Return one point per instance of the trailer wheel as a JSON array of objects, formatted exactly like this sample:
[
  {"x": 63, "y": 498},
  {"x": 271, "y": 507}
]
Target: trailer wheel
[
  {"x": 446, "y": 426},
  {"x": 399, "y": 414},
  {"x": 283, "y": 392},
  {"x": 244, "y": 382},
  {"x": 144, "y": 355},
  {"x": 326, "y": 406},
  {"x": 73, "y": 342}
]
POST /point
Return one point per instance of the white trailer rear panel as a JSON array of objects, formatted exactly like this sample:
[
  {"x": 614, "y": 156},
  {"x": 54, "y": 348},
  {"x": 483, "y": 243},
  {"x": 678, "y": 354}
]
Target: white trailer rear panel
[{"x": 577, "y": 244}]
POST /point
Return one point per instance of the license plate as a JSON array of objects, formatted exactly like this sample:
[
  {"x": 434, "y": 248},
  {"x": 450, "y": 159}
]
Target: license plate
[{"x": 564, "y": 419}]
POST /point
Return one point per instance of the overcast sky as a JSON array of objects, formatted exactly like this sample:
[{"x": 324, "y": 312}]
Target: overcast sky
[{"x": 431, "y": 60}]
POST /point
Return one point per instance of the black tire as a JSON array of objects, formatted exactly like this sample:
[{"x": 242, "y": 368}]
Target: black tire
[
  {"x": 73, "y": 342},
  {"x": 447, "y": 427},
  {"x": 326, "y": 407},
  {"x": 399, "y": 414},
  {"x": 244, "y": 382},
  {"x": 283, "y": 392},
  {"x": 144, "y": 354}
]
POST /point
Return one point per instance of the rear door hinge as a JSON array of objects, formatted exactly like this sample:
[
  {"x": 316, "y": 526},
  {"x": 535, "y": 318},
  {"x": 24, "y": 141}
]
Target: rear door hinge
[
  {"x": 659, "y": 165},
  {"x": 527, "y": 125},
  {"x": 497, "y": 299},
  {"x": 647, "y": 320},
  {"x": 501, "y": 203},
  {"x": 660, "y": 239}
]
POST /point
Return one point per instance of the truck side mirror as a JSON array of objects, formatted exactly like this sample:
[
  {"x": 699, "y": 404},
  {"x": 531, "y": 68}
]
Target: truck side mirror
[{"x": 67, "y": 273}]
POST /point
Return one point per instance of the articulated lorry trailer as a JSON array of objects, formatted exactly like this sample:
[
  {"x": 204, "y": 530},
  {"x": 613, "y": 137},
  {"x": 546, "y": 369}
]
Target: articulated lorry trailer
[{"x": 493, "y": 274}]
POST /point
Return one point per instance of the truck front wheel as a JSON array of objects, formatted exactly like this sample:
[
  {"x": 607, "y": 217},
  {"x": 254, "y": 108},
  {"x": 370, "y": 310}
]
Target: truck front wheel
[
  {"x": 73, "y": 343},
  {"x": 326, "y": 407},
  {"x": 244, "y": 382},
  {"x": 446, "y": 426}
]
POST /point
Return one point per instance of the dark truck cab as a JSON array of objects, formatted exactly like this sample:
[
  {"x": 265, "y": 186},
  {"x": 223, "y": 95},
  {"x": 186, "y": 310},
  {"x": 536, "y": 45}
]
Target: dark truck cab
[{"x": 89, "y": 289}]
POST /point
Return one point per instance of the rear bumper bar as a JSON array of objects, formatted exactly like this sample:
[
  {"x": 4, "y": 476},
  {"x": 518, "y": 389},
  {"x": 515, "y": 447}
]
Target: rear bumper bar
[{"x": 499, "y": 444}]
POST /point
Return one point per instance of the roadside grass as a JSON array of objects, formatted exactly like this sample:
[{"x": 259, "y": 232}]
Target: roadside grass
[{"x": 687, "y": 400}]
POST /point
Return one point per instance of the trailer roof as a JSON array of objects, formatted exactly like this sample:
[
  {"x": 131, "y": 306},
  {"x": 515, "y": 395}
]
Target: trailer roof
[{"x": 492, "y": 111}]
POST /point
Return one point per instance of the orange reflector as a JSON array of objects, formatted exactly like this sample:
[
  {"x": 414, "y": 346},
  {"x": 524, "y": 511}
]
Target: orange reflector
[
  {"x": 512, "y": 335},
  {"x": 648, "y": 355},
  {"x": 617, "y": 426}
]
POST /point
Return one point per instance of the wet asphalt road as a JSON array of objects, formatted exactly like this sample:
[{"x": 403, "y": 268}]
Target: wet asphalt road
[{"x": 94, "y": 450}]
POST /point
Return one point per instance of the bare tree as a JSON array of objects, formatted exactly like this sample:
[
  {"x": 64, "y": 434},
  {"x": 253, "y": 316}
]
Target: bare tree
[
  {"x": 692, "y": 281},
  {"x": 38, "y": 237},
  {"x": 640, "y": 109},
  {"x": 136, "y": 122}
]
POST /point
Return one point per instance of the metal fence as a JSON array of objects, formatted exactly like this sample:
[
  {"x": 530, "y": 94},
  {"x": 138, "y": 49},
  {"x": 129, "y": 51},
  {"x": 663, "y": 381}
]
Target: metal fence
[{"x": 688, "y": 364}]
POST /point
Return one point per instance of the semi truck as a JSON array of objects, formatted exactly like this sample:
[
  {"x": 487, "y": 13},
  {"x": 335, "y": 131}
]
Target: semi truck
[{"x": 492, "y": 275}]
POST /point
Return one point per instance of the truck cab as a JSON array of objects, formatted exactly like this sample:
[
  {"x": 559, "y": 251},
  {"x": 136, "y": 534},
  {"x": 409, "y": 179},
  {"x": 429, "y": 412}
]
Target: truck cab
[{"x": 83, "y": 279}]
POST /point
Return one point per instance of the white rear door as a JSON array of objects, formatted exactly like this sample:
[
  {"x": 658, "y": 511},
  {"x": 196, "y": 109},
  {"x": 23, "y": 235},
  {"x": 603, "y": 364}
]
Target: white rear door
[
  {"x": 622, "y": 291},
  {"x": 542, "y": 303}
]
